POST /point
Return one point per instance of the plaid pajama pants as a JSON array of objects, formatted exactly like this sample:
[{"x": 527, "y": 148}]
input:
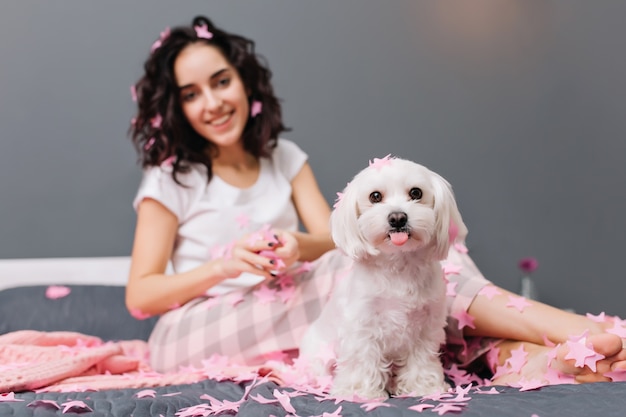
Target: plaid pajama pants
[{"x": 250, "y": 330}]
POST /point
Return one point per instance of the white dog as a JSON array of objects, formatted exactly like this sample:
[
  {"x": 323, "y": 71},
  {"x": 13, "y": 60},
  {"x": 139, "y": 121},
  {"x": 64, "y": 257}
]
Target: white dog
[{"x": 385, "y": 320}]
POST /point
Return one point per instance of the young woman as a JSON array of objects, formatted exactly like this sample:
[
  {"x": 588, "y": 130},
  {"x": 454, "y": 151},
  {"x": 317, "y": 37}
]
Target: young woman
[{"x": 221, "y": 199}]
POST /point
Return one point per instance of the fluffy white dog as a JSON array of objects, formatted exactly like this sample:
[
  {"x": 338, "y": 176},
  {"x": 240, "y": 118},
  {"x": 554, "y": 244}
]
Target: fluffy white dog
[{"x": 385, "y": 320}]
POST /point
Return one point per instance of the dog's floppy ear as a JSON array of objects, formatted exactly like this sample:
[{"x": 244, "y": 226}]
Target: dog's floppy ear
[
  {"x": 344, "y": 225},
  {"x": 449, "y": 223}
]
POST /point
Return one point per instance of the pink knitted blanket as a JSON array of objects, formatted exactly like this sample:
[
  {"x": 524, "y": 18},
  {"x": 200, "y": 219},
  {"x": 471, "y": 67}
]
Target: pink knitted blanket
[{"x": 68, "y": 361}]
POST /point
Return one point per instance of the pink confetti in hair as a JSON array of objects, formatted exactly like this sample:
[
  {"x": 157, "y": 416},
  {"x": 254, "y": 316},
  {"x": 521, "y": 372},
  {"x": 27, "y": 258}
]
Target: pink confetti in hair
[
  {"x": 378, "y": 163},
  {"x": 159, "y": 42},
  {"x": 528, "y": 265},
  {"x": 149, "y": 144},
  {"x": 203, "y": 32},
  {"x": 54, "y": 292},
  {"x": 338, "y": 200},
  {"x": 133, "y": 93},
  {"x": 169, "y": 161},
  {"x": 256, "y": 108},
  {"x": 156, "y": 121}
]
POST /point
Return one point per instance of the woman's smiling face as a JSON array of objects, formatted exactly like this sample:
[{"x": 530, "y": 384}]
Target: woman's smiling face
[{"x": 212, "y": 94}]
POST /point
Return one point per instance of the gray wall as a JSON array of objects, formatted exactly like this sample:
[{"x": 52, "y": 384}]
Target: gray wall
[{"x": 519, "y": 103}]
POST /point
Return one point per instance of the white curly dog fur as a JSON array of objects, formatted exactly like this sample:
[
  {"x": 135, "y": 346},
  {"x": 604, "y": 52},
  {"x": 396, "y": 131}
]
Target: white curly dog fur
[{"x": 385, "y": 320}]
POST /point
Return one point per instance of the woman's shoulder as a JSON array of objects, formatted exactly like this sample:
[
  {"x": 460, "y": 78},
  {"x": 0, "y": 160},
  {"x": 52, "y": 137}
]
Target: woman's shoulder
[
  {"x": 288, "y": 158},
  {"x": 286, "y": 147},
  {"x": 195, "y": 175}
]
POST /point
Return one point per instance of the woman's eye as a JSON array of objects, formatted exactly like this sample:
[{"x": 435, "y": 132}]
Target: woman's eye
[
  {"x": 415, "y": 193},
  {"x": 188, "y": 96},
  {"x": 223, "y": 82},
  {"x": 376, "y": 197}
]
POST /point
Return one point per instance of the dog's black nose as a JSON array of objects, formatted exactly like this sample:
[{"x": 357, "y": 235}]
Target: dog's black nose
[{"x": 397, "y": 219}]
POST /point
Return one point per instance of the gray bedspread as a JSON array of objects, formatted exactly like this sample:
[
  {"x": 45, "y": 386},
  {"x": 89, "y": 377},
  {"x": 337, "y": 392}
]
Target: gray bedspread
[
  {"x": 100, "y": 311},
  {"x": 600, "y": 399}
]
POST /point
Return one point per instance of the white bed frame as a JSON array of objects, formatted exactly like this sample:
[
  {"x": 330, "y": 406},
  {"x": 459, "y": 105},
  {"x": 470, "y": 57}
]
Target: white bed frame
[{"x": 53, "y": 271}]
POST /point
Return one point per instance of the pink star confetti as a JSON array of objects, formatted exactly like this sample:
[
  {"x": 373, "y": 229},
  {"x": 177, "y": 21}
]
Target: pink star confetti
[
  {"x": 369, "y": 406},
  {"x": 338, "y": 200},
  {"x": 9, "y": 397},
  {"x": 202, "y": 31},
  {"x": 583, "y": 355},
  {"x": 617, "y": 330},
  {"x": 464, "y": 319},
  {"x": 461, "y": 248},
  {"x": 489, "y": 291},
  {"x": 600, "y": 318},
  {"x": 450, "y": 268},
  {"x": 211, "y": 302},
  {"x": 54, "y": 292},
  {"x": 169, "y": 161},
  {"x": 492, "y": 391},
  {"x": 519, "y": 303},
  {"x": 286, "y": 294},
  {"x": 547, "y": 341},
  {"x": 336, "y": 413},
  {"x": 138, "y": 314},
  {"x": 530, "y": 384},
  {"x": 157, "y": 44},
  {"x": 147, "y": 393},
  {"x": 451, "y": 289},
  {"x": 156, "y": 121},
  {"x": 284, "y": 400},
  {"x": 149, "y": 144},
  {"x": 256, "y": 108},
  {"x": 617, "y": 376},
  {"x": 443, "y": 408},
  {"x": 243, "y": 220},
  {"x": 378, "y": 163},
  {"x": 265, "y": 294},
  {"x": 421, "y": 407},
  {"x": 75, "y": 406},
  {"x": 518, "y": 359},
  {"x": 235, "y": 297},
  {"x": 49, "y": 404}
]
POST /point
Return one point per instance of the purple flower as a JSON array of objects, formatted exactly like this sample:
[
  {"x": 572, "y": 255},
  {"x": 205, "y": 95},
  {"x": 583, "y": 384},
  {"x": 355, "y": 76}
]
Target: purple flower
[{"x": 528, "y": 265}]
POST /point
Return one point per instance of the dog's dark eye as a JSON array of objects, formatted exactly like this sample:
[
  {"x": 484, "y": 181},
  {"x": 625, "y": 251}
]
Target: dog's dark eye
[
  {"x": 376, "y": 197},
  {"x": 415, "y": 193}
]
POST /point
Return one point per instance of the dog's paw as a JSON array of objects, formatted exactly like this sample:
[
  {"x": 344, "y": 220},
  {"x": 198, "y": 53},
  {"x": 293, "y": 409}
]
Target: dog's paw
[
  {"x": 358, "y": 394},
  {"x": 420, "y": 388}
]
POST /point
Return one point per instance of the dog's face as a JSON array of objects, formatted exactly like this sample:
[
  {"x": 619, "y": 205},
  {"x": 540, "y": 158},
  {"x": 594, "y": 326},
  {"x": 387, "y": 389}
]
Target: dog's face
[{"x": 396, "y": 205}]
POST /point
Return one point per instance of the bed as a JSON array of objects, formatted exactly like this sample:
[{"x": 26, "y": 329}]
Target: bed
[{"x": 85, "y": 296}]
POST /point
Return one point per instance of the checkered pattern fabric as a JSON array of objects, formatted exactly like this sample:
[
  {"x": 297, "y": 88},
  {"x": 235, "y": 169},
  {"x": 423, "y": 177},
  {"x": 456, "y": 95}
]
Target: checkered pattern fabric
[{"x": 250, "y": 329}]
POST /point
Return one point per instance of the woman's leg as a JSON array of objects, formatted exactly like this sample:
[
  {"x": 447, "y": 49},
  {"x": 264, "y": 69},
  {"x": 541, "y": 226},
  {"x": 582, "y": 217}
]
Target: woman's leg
[
  {"x": 541, "y": 342},
  {"x": 249, "y": 326}
]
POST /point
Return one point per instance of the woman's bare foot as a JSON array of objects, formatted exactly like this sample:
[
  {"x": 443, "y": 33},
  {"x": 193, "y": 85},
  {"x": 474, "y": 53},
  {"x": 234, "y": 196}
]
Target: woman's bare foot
[{"x": 592, "y": 359}]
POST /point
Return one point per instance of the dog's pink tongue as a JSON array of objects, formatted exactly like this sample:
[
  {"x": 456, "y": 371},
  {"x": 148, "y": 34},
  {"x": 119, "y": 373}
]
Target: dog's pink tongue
[{"x": 399, "y": 238}]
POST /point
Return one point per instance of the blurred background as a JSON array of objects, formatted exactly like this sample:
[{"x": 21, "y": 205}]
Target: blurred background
[{"x": 520, "y": 104}]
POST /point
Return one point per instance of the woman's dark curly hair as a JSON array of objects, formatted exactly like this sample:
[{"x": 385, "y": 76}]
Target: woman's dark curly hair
[{"x": 161, "y": 132}]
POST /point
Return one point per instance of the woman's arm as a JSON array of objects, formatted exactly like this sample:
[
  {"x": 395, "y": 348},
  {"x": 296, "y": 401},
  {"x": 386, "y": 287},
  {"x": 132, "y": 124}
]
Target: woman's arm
[
  {"x": 314, "y": 214},
  {"x": 151, "y": 291}
]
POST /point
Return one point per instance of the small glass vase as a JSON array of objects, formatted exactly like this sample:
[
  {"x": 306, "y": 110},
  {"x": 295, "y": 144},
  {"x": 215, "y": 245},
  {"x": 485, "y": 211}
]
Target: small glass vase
[{"x": 528, "y": 289}]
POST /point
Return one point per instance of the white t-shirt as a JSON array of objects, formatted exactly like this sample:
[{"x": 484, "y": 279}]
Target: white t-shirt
[{"x": 212, "y": 215}]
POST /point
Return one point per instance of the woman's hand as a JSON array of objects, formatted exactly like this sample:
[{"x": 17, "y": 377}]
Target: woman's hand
[
  {"x": 248, "y": 254},
  {"x": 288, "y": 249}
]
